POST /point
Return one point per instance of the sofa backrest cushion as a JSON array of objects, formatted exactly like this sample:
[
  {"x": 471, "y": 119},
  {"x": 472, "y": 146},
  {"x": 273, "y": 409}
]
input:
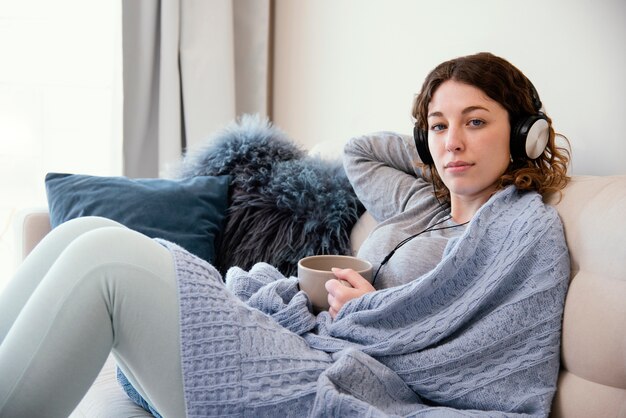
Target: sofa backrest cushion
[{"x": 593, "y": 353}]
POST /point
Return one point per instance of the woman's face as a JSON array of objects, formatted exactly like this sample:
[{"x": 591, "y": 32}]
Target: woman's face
[{"x": 468, "y": 137}]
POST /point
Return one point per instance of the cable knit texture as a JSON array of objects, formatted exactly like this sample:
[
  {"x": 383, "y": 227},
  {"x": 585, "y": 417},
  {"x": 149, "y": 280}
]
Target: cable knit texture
[{"x": 478, "y": 335}]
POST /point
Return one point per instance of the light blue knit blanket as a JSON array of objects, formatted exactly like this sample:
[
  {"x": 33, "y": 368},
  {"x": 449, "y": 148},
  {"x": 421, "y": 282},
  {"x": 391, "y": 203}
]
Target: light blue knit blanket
[{"x": 479, "y": 335}]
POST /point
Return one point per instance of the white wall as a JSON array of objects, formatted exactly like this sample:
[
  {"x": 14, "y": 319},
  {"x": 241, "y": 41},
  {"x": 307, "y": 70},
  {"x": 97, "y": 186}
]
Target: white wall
[
  {"x": 60, "y": 100},
  {"x": 347, "y": 67}
]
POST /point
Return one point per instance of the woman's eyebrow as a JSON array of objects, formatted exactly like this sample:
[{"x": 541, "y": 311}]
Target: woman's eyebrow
[
  {"x": 436, "y": 114},
  {"x": 467, "y": 110},
  {"x": 472, "y": 108}
]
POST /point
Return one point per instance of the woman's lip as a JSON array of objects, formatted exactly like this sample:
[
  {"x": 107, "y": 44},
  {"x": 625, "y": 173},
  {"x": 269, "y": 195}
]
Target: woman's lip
[
  {"x": 458, "y": 166},
  {"x": 454, "y": 164}
]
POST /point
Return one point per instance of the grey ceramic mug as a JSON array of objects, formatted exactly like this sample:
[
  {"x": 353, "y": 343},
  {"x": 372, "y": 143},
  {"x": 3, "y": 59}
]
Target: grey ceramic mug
[{"x": 315, "y": 271}]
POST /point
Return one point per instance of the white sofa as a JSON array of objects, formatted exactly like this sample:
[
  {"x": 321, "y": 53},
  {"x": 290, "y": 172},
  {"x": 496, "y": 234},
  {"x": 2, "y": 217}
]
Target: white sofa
[{"x": 592, "y": 381}]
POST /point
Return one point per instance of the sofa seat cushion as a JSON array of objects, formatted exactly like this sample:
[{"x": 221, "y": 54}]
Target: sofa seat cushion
[{"x": 106, "y": 398}]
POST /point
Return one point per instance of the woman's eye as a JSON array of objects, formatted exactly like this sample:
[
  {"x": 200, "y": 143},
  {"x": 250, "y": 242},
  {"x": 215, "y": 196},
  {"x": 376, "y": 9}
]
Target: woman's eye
[
  {"x": 437, "y": 127},
  {"x": 476, "y": 122}
]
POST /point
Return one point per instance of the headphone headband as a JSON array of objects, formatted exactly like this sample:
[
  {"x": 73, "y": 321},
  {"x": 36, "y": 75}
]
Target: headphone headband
[{"x": 535, "y": 97}]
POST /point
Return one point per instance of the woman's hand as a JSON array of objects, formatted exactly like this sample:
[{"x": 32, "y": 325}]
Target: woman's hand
[{"x": 339, "y": 294}]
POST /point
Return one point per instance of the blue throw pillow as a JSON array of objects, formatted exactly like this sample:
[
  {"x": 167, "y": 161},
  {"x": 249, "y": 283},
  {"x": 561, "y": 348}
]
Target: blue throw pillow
[{"x": 188, "y": 212}]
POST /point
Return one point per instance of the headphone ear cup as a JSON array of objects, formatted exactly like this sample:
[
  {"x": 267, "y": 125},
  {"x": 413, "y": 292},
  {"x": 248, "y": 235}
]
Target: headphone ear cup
[
  {"x": 529, "y": 137},
  {"x": 421, "y": 143}
]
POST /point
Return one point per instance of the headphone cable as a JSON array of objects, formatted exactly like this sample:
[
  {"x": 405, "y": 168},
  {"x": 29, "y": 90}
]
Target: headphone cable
[{"x": 404, "y": 241}]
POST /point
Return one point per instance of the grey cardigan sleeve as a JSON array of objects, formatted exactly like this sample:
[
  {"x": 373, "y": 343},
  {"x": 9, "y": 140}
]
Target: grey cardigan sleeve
[{"x": 383, "y": 169}]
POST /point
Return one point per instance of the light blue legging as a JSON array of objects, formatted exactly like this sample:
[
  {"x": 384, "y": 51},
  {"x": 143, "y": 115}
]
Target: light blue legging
[{"x": 90, "y": 287}]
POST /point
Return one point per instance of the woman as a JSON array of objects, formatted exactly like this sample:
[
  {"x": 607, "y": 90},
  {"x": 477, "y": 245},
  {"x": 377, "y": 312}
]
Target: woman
[
  {"x": 478, "y": 99},
  {"x": 463, "y": 318}
]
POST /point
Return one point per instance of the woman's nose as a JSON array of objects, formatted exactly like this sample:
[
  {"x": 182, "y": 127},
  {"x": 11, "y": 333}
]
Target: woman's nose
[{"x": 455, "y": 140}]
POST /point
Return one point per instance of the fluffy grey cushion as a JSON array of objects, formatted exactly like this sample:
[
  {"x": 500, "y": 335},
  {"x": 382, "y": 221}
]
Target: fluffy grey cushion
[{"x": 284, "y": 205}]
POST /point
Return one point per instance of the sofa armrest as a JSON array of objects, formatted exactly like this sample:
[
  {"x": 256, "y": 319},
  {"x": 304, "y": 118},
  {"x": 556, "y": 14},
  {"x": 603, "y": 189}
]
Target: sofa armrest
[{"x": 30, "y": 226}]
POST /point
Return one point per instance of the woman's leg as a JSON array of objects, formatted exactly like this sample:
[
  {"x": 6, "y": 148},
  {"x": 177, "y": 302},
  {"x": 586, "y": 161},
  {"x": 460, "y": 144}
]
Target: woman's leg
[
  {"x": 37, "y": 264},
  {"x": 111, "y": 288}
]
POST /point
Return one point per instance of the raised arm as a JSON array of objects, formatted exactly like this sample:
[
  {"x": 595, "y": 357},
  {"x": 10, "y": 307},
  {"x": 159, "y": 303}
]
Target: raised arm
[{"x": 383, "y": 169}]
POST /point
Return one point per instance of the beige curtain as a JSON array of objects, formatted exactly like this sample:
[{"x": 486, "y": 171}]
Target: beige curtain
[{"x": 190, "y": 67}]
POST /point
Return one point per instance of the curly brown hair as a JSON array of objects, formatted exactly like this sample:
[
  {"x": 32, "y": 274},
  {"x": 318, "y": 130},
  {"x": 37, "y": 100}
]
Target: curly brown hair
[{"x": 507, "y": 85}]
